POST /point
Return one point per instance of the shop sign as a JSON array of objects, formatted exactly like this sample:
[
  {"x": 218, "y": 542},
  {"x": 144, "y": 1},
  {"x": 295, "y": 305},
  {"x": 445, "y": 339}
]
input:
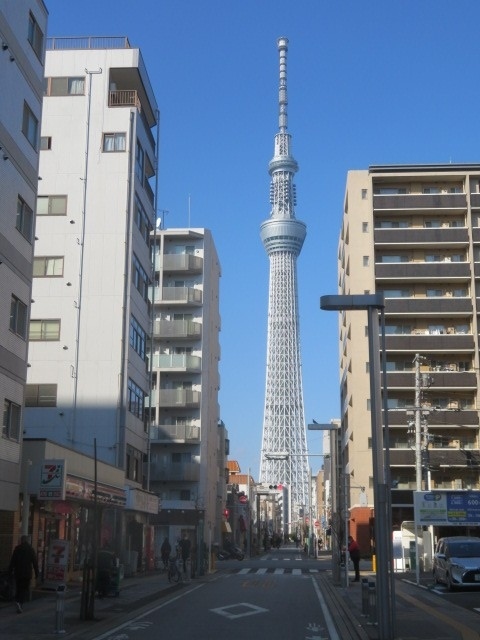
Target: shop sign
[
  {"x": 57, "y": 562},
  {"x": 52, "y": 480}
]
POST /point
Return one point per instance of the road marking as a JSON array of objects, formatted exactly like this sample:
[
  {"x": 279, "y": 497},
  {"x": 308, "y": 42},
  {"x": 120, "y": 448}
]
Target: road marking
[
  {"x": 244, "y": 571},
  {"x": 261, "y": 571},
  {"x": 332, "y": 630},
  {"x": 279, "y": 571},
  {"x": 477, "y": 609},
  {"x": 246, "y": 609},
  {"x": 296, "y": 572}
]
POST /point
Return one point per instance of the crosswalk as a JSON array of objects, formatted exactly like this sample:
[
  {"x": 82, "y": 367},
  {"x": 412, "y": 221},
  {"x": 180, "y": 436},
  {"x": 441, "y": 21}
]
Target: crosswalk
[{"x": 275, "y": 571}]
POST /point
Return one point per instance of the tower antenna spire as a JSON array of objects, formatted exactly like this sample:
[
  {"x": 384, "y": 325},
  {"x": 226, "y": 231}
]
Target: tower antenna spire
[{"x": 282, "y": 44}]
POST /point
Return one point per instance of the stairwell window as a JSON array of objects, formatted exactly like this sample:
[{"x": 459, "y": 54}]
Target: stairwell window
[
  {"x": 136, "y": 399},
  {"x": 48, "y": 267},
  {"x": 18, "y": 317},
  {"x": 65, "y": 86},
  {"x": 11, "y": 420},
  {"x": 114, "y": 142},
  {"x": 24, "y": 221},
  {"x": 52, "y": 206},
  {"x": 30, "y": 126},
  {"x": 41, "y": 395}
]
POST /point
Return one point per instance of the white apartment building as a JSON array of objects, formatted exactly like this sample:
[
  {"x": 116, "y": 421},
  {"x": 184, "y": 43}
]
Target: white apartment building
[
  {"x": 189, "y": 443},
  {"x": 91, "y": 316},
  {"x": 413, "y": 233},
  {"x": 22, "y": 27}
]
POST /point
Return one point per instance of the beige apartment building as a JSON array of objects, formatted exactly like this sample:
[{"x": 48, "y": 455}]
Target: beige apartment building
[{"x": 413, "y": 233}]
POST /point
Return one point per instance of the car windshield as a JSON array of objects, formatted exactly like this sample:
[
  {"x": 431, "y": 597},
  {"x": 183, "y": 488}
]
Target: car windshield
[{"x": 464, "y": 549}]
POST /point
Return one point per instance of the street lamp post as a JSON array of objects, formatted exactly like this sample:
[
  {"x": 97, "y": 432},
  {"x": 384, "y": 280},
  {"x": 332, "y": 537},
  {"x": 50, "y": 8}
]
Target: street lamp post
[{"x": 373, "y": 303}]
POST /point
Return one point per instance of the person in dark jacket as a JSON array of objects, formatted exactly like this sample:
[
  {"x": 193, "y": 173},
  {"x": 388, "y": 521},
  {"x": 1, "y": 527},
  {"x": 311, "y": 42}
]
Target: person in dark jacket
[
  {"x": 22, "y": 565},
  {"x": 354, "y": 551}
]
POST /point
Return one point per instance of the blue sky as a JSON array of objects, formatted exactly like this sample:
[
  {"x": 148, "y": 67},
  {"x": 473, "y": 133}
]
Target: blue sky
[{"x": 369, "y": 82}]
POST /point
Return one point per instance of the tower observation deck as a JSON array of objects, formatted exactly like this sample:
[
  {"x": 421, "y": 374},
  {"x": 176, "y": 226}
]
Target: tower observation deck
[{"x": 284, "y": 456}]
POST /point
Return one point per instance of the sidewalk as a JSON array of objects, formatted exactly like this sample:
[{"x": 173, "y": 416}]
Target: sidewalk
[
  {"x": 39, "y": 619},
  {"x": 419, "y": 614}
]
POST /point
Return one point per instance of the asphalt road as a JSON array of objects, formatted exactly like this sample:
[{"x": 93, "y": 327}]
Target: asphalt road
[{"x": 245, "y": 601}]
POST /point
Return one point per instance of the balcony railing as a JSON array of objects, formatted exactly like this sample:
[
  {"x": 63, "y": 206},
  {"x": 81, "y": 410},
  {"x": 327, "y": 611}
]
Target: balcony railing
[
  {"x": 175, "y": 471},
  {"x": 177, "y": 329},
  {"x": 175, "y": 433},
  {"x": 182, "y": 262},
  {"x": 178, "y": 361},
  {"x": 421, "y": 201},
  {"x": 124, "y": 98},
  {"x": 178, "y": 398},
  {"x": 445, "y": 270},
  {"x": 180, "y": 295}
]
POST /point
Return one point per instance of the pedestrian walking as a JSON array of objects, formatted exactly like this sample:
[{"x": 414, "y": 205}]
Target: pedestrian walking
[
  {"x": 22, "y": 565},
  {"x": 185, "y": 546},
  {"x": 354, "y": 551},
  {"x": 165, "y": 551}
]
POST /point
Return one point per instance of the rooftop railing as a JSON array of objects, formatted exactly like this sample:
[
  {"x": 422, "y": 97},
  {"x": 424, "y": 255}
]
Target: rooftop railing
[{"x": 88, "y": 42}]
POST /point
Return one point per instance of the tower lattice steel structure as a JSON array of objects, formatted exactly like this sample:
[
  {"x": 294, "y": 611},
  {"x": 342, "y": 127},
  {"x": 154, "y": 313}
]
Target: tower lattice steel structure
[{"x": 284, "y": 442}]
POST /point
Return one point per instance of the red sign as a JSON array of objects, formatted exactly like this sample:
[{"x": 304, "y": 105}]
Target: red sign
[{"x": 243, "y": 499}]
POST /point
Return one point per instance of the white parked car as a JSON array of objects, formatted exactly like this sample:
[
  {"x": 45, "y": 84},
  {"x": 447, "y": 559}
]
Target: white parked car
[{"x": 456, "y": 562}]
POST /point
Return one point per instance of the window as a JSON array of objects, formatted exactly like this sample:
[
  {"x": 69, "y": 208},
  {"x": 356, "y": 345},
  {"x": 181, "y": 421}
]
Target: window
[
  {"x": 366, "y": 261},
  {"x": 140, "y": 278},
  {"x": 66, "y": 86},
  {"x": 41, "y": 395},
  {"x": 18, "y": 317},
  {"x": 388, "y": 191},
  {"x": 397, "y": 293},
  {"x": 139, "y": 162},
  {"x": 48, "y": 267},
  {"x": 11, "y": 420},
  {"x": 364, "y": 194},
  {"x": 44, "y": 330},
  {"x": 114, "y": 142},
  {"x": 35, "y": 36},
  {"x": 30, "y": 126},
  {"x": 45, "y": 143},
  {"x": 393, "y": 258},
  {"x": 52, "y": 206},
  {"x": 133, "y": 464},
  {"x": 364, "y": 227},
  {"x": 432, "y": 190},
  {"x": 24, "y": 221},
  {"x": 136, "y": 399},
  {"x": 138, "y": 337},
  {"x": 141, "y": 219},
  {"x": 434, "y": 293},
  {"x": 392, "y": 224}
]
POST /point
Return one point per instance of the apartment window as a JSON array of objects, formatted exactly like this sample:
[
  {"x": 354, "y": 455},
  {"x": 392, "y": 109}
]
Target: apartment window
[
  {"x": 185, "y": 495},
  {"x": 141, "y": 219},
  {"x": 138, "y": 337},
  {"x": 114, "y": 142},
  {"x": 140, "y": 278},
  {"x": 364, "y": 227},
  {"x": 30, "y": 126},
  {"x": 44, "y": 330},
  {"x": 136, "y": 399},
  {"x": 48, "y": 267},
  {"x": 366, "y": 261},
  {"x": 18, "y": 317},
  {"x": 133, "y": 464},
  {"x": 24, "y": 221},
  {"x": 41, "y": 395},
  {"x": 45, "y": 143},
  {"x": 52, "y": 206},
  {"x": 388, "y": 191},
  {"x": 392, "y": 224},
  {"x": 434, "y": 258},
  {"x": 74, "y": 86},
  {"x": 35, "y": 36},
  {"x": 396, "y": 293},
  {"x": 364, "y": 194},
  {"x": 139, "y": 162},
  {"x": 393, "y": 258},
  {"x": 432, "y": 190},
  {"x": 434, "y": 293},
  {"x": 11, "y": 420}
]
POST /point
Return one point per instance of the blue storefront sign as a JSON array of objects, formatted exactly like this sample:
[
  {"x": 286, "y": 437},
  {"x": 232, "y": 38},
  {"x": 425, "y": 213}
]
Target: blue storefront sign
[{"x": 441, "y": 508}]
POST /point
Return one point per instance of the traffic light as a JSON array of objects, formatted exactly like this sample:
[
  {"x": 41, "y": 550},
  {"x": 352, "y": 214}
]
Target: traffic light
[{"x": 276, "y": 486}]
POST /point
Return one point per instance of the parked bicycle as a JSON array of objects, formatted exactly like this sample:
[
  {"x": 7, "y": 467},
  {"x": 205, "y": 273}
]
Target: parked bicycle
[{"x": 173, "y": 574}]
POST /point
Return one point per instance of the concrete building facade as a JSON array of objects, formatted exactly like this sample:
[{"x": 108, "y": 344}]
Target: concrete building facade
[
  {"x": 23, "y": 26},
  {"x": 91, "y": 315},
  {"x": 188, "y": 441},
  {"x": 413, "y": 233}
]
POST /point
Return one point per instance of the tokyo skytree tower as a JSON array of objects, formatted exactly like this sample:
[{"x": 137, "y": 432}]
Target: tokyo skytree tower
[{"x": 284, "y": 443}]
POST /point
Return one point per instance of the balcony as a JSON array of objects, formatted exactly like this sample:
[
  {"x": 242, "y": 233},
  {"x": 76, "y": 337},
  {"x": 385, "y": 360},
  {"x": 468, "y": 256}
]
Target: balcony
[
  {"x": 426, "y": 271},
  {"x": 182, "y": 263},
  {"x": 177, "y": 329},
  {"x": 420, "y": 202},
  {"x": 178, "y": 398},
  {"x": 422, "y": 343},
  {"x": 446, "y": 306},
  {"x": 179, "y": 362},
  {"x": 124, "y": 98},
  {"x": 439, "y": 237},
  {"x": 174, "y": 296},
  {"x": 452, "y": 419},
  {"x": 175, "y": 471},
  {"x": 438, "y": 458},
  {"x": 440, "y": 380},
  {"x": 175, "y": 433}
]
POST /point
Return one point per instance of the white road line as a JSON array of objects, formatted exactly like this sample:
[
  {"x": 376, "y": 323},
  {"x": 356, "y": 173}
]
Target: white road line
[
  {"x": 244, "y": 571},
  {"x": 296, "y": 572},
  {"x": 326, "y": 613},
  {"x": 279, "y": 571},
  {"x": 262, "y": 571}
]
